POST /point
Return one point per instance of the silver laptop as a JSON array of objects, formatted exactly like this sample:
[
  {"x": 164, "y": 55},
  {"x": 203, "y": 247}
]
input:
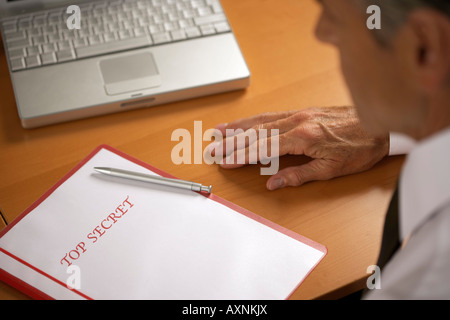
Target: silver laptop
[{"x": 111, "y": 56}]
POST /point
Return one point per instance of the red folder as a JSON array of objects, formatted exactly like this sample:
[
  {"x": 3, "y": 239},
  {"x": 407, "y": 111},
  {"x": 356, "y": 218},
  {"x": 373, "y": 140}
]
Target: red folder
[{"x": 152, "y": 242}]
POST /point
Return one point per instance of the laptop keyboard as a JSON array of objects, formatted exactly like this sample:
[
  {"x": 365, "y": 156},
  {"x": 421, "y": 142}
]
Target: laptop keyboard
[{"x": 43, "y": 38}]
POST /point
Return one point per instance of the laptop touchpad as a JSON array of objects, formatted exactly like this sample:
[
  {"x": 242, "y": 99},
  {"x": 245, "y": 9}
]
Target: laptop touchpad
[{"x": 130, "y": 73}]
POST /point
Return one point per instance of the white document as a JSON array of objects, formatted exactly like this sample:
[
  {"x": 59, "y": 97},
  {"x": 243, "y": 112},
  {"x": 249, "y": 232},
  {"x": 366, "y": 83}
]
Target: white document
[{"x": 98, "y": 237}]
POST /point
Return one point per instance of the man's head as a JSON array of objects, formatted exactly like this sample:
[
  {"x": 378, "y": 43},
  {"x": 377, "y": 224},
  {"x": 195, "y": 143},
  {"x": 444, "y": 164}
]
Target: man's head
[{"x": 398, "y": 76}]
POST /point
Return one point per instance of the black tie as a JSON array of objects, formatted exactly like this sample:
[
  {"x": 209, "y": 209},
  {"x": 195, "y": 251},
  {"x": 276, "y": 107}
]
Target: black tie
[
  {"x": 391, "y": 237},
  {"x": 390, "y": 242}
]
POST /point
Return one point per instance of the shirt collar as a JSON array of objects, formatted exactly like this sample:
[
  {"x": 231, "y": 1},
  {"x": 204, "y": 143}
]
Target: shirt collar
[{"x": 424, "y": 182}]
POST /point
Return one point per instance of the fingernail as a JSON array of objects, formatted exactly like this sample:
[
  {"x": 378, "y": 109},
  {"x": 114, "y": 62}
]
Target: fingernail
[{"x": 276, "y": 184}]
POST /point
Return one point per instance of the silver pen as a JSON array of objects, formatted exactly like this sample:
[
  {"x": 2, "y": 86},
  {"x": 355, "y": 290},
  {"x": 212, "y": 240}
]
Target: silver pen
[{"x": 188, "y": 185}]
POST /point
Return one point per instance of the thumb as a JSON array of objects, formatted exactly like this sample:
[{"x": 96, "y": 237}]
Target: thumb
[{"x": 317, "y": 169}]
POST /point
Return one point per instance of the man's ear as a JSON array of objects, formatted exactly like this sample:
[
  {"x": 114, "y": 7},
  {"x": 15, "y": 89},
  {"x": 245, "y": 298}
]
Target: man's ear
[{"x": 431, "y": 31}]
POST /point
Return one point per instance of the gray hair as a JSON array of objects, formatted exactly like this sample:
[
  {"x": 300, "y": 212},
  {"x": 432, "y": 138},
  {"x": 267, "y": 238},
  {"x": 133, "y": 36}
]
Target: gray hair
[{"x": 395, "y": 12}]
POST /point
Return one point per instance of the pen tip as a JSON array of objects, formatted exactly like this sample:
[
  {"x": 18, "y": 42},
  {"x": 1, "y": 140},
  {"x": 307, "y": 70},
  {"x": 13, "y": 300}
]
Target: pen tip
[
  {"x": 206, "y": 189},
  {"x": 101, "y": 169}
]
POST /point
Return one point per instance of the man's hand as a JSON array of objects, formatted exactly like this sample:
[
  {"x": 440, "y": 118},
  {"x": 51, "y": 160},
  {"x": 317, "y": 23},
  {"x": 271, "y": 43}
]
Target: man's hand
[{"x": 332, "y": 136}]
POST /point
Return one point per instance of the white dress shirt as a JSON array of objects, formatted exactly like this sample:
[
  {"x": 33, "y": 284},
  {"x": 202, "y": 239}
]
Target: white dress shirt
[
  {"x": 421, "y": 269},
  {"x": 400, "y": 144}
]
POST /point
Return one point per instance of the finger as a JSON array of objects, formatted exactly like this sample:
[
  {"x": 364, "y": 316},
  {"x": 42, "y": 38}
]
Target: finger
[
  {"x": 224, "y": 147},
  {"x": 264, "y": 150},
  {"x": 247, "y": 123},
  {"x": 240, "y": 138},
  {"x": 317, "y": 169}
]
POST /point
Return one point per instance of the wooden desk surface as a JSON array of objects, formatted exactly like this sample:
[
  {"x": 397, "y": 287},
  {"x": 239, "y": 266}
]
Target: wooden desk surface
[{"x": 290, "y": 70}]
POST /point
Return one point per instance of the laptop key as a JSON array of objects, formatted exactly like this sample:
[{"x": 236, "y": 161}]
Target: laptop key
[
  {"x": 17, "y": 64},
  {"x": 39, "y": 20},
  {"x": 162, "y": 37},
  {"x": 110, "y": 36},
  {"x": 204, "y": 11},
  {"x": 185, "y": 23},
  {"x": 222, "y": 27},
  {"x": 140, "y": 31},
  {"x": 18, "y": 43},
  {"x": 32, "y": 61},
  {"x": 125, "y": 34},
  {"x": 64, "y": 45},
  {"x": 32, "y": 32},
  {"x": 215, "y": 5},
  {"x": 31, "y": 51},
  {"x": 65, "y": 55},
  {"x": 155, "y": 28},
  {"x": 95, "y": 39},
  {"x": 192, "y": 32},
  {"x": 80, "y": 42},
  {"x": 9, "y": 27},
  {"x": 47, "y": 47},
  {"x": 16, "y": 35},
  {"x": 54, "y": 37},
  {"x": 48, "y": 58},
  {"x": 39, "y": 40},
  {"x": 112, "y": 46},
  {"x": 218, "y": 17},
  {"x": 16, "y": 53},
  {"x": 24, "y": 24},
  {"x": 178, "y": 35},
  {"x": 48, "y": 29},
  {"x": 207, "y": 29}
]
